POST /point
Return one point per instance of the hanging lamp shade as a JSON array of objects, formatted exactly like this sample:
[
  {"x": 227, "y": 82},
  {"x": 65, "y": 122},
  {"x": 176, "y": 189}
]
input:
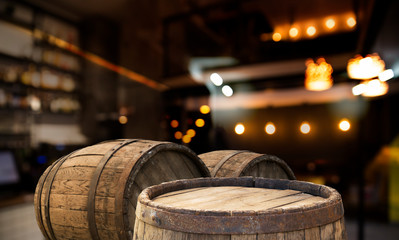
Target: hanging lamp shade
[
  {"x": 365, "y": 67},
  {"x": 318, "y": 75}
]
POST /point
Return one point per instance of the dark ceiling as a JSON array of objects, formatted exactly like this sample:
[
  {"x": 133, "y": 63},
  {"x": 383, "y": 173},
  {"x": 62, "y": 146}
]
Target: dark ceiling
[{"x": 239, "y": 30}]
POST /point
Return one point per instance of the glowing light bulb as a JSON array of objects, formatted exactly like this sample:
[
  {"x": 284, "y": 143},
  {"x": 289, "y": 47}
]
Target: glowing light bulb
[
  {"x": 216, "y": 79},
  {"x": 178, "y": 135},
  {"x": 330, "y": 23},
  {"x": 344, "y": 125},
  {"x": 122, "y": 119},
  {"x": 239, "y": 129},
  {"x": 191, "y": 132},
  {"x": 186, "y": 139},
  {"x": 270, "y": 128},
  {"x": 276, "y": 37},
  {"x": 305, "y": 128},
  {"x": 351, "y": 22},
  {"x": 199, "y": 122},
  {"x": 174, "y": 123},
  {"x": 386, "y": 75},
  {"x": 293, "y": 32},
  {"x": 205, "y": 109},
  {"x": 227, "y": 91},
  {"x": 311, "y": 31}
]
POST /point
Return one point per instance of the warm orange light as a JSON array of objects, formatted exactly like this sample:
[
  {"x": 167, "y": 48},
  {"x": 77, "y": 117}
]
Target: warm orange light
[
  {"x": 311, "y": 31},
  {"x": 186, "y": 139},
  {"x": 344, "y": 125},
  {"x": 239, "y": 129},
  {"x": 178, "y": 135},
  {"x": 330, "y": 23},
  {"x": 270, "y": 128},
  {"x": 205, "y": 109},
  {"x": 199, "y": 122},
  {"x": 305, "y": 128},
  {"x": 318, "y": 75},
  {"x": 365, "y": 68},
  {"x": 174, "y": 123},
  {"x": 191, "y": 132},
  {"x": 276, "y": 37},
  {"x": 122, "y": 119},
  {"x": 351, "y": 22},
  {"x": 98, "y": 60},
  {"x": 293, "y": 32},
  {"x": 371, "y": 88}
]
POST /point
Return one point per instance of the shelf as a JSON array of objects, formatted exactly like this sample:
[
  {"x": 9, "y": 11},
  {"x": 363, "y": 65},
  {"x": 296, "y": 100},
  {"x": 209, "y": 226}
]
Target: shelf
[{"x": 16, "y": 22}]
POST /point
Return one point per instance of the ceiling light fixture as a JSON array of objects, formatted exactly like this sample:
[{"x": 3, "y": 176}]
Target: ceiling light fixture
[
  {"x": 330, "y": 23},
  {"x": 311, "y": 31},
  {"x": 318, "y": 75},
  {"x": 370, "y": 88},
  {"x": 365, "y": 68}
]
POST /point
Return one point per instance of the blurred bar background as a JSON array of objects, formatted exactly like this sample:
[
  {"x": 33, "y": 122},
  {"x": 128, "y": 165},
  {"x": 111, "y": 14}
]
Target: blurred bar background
[{"x": 277, "y": 77}]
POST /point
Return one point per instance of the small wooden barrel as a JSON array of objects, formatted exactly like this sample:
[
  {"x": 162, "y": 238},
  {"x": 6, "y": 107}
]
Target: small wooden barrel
[
  {"x": 92, "y": 193},
  {"x": 236, "y": 163},
  {"x": 239, "y": 208}
]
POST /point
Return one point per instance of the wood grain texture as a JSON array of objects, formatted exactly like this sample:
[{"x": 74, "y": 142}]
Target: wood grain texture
[
  {"x": 127, "y": 167},
  {"x": 236, "y": 163},
  {"x": 219, "y": 208}
]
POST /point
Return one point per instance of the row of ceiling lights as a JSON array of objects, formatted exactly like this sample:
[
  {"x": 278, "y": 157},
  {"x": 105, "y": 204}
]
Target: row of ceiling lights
[
  {"x": 312, "y": 28},
  {"x": 305, "y": 128},
  {"x": 270, "y": 128}
]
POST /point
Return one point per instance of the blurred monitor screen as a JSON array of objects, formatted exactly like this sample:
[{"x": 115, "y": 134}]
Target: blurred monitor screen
[{"x": 8, "y": 169}]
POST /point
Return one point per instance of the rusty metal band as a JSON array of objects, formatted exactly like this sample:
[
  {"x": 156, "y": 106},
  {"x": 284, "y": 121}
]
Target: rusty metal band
[
  {"x": 225, "y": 159},
  {"x": 91, "y": 218},
  {"x": 39, "y": 191},
  {"x": 131, "y": 168},
  {"x": 51, "y": 175},
  {"x": 240, "y": 224},
  {"x": 270, "y": 158}
]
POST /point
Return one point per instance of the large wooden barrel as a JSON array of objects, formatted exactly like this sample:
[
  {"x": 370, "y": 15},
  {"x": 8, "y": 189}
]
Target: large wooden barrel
[
  {"x": 237, "y": 163},
  {"x": 92, "y": 192},
  {"x": 239, "y": 208}
]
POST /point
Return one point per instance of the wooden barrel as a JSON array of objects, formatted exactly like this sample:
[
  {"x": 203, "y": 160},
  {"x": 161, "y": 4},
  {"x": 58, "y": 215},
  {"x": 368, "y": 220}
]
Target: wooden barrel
[
  {"x": 92, "y": 193},
  {"x": 239, "y": 208},
  {"x": 236, "y": 163}
]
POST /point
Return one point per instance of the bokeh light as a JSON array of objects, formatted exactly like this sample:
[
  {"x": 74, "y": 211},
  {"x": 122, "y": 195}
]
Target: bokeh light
[
  {"x": 186, "y": 139},
  {"x": 122, "y": 119},
  {"x": 178, "y": 135},
  {"x": 227, "y": 91},
  {"x": 351, "y": 22},
  {"x": 191, "y": 132},
  {"x": 205, "y": 109},
  {"x": 174, "y": 123},
  {"x": 305, "y": 128},
  {"x": 311, "y": 31},
  {"x": 293, "y": 32},
  {"x": 330, "y": 23},
  {"x": 270, "y": 128},
  {"x": 276, "y": 37},
  {"x": 239, "y": 128},
  {"x": 344, "y": 125},
  {"x": 200, "y": 122},
  {"x": 216, "y": 79}
]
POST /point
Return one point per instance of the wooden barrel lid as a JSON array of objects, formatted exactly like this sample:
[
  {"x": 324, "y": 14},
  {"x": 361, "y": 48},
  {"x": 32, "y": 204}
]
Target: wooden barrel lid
[{"x": 242, "y": 205}]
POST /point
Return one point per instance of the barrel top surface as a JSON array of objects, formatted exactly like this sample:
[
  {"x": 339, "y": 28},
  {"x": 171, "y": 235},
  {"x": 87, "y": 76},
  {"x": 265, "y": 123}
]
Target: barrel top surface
[
  {"x": 236, "y": 198},
  {"x": 243, "y": 205}
]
